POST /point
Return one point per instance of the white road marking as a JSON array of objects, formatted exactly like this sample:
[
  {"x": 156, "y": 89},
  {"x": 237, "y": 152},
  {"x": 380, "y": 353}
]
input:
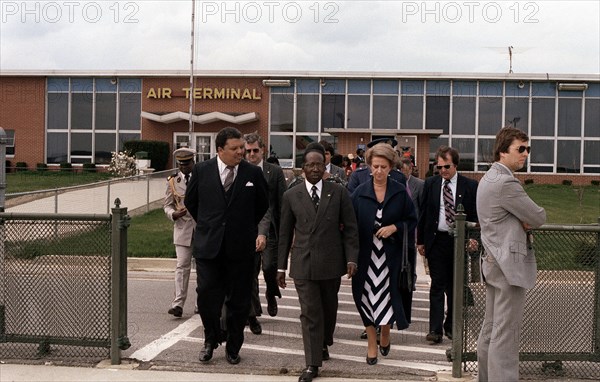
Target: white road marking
[{"x": 167, "y": 340}]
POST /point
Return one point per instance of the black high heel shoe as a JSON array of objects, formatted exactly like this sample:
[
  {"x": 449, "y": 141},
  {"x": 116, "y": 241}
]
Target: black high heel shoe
[
  {"x": 385, "y": 350},
  {"x": 371, "y": 361}
]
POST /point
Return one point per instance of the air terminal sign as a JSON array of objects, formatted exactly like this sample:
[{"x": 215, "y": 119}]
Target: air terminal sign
[{"x": 206, "y": 93}]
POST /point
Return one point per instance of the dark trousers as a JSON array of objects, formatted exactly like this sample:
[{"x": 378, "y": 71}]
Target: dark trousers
[
  {"x": 226, "y": 281},
  {"x": 318, "y": 313},
  {"x": 441, "y": 270},
  {"x": 269, "y": 267}
]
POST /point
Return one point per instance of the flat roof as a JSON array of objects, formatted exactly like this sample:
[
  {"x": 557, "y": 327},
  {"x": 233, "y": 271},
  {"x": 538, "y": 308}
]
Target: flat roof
[{"x": 302, "y": 74}]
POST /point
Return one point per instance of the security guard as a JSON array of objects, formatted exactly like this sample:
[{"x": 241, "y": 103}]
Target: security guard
[
  {"x": 183, "y": 227},
  {"x": 362, "y": 174}
]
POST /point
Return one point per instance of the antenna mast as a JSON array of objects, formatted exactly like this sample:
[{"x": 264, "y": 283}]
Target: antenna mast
[{"x": 191, "y": 127}]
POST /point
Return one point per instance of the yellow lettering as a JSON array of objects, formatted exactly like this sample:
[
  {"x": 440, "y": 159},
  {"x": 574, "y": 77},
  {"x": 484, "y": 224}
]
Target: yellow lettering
[
  {"x": 187, "y": 92},
  {"x": 207, "y": 94},
  {"x": 151, "y": 93},
  {"x": 254, "y": 95},
  {"x": 246, "y": 94},
  {"x": 197, "y": 93},
  {"x": 219, "y": 93},
  {"x": 235, "y": 93},
  {"x": 166, "y": 93}
]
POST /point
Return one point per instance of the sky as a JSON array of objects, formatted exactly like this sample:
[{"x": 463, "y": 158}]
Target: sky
[{"x": 559, "y": 37}]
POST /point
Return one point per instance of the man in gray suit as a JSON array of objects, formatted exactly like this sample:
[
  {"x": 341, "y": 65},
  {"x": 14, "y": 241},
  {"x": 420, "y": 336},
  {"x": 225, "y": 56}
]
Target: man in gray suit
[
  {"x": 506, "y": 215},
  {"x": 268, "y": 231},
  {"x": 318, "y": 218}
]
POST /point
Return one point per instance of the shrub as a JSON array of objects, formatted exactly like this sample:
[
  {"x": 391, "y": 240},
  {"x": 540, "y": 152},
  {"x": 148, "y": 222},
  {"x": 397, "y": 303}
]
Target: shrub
[
  {"x": 21, "y": 166},
  {"x": 65, "y": 166},
  {"x": 158, "y": 152},
  {"x": 122, "y": 164},
  {"x": 41, "y": 167},
  {"x": 528, "y": 181},
  {"x": 89, "y": 167},
  {"x": 567, "y": 182},
  {"x": 595, "y": 182}
]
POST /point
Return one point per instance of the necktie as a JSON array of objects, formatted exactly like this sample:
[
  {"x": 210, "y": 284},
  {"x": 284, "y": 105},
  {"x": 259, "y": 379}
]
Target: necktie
[
  {"x": 448, "y": 203},
  {"x": 228, "y": 179},
  {"x": 315, "y": 197},
  {"x": 187, "y": 177}
]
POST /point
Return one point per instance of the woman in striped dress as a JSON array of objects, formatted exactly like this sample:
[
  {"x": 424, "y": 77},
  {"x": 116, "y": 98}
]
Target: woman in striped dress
[{"x": 382, "y": 206}]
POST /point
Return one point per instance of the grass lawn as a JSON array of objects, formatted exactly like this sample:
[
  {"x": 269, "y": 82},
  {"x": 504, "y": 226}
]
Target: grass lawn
[
  {"x": 151, "y": 235},
  {"x": 24, "y": 181},
  {"x": 567, "y": 204}
]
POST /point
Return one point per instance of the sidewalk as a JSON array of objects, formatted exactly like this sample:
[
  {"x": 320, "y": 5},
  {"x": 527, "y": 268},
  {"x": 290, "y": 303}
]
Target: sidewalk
[{"x": 126, "y": 373}]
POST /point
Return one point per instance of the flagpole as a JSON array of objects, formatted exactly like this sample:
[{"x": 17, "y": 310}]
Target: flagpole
[{"x": 191, "y": 93}]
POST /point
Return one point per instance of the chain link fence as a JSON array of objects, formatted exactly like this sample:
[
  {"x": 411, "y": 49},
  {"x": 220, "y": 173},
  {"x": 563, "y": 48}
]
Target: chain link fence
[
  {"x": 58, "y": 286},
  {"x": 561, "y": 326}
]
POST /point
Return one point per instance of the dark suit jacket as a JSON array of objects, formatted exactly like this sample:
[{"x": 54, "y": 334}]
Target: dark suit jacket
[
  {"x": 398, "y": 208},
  {"x": 415, "y": 185},
  {"x": 321, "y": 248},
  {"x": 466, "y": 194},
  {"x": 276, "y": 186},
  {"x": 219, "y": 221}
]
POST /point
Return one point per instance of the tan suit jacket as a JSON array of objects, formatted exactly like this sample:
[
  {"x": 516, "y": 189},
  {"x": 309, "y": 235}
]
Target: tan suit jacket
[{"x": 183, "y": 228}]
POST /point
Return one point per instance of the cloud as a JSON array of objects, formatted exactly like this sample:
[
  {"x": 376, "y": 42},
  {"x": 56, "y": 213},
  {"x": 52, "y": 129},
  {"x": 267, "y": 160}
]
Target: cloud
[{"x": 399, "y": 36}]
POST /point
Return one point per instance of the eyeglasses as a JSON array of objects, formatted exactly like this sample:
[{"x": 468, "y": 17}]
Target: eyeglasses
[
  {"x": 446, "y": 166},
  {"x": 255, "y": 151},
  {"x": 522, "y": 149}
]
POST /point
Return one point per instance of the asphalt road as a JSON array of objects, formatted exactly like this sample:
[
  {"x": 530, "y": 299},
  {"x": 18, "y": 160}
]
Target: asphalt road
[{"x": 161, "y": 341}]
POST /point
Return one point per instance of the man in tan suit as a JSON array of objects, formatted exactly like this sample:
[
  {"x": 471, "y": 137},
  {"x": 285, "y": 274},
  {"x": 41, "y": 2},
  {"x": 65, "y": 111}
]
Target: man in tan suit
[
  {"x": 318, "y": 218},
  {"x": 183, "y": 227},
  {"x": 506, "y": 215}
]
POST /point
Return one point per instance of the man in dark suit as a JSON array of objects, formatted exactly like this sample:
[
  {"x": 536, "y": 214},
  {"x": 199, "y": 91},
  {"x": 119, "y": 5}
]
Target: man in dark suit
[
  {"x": 318, "y": 218},
  {"x": 227, "y": 197},
  {"x": 332, "y": 170},
  {"x": 441, "y": 193},
  {"x": 268, "y": 231}
]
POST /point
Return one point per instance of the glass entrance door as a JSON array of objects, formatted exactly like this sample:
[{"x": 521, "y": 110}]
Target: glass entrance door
[{"x": 203, "y": 143}]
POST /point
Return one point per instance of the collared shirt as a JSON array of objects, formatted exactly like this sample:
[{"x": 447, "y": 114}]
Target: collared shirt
[
  {"x": 223, "y": 170},
  {"x": 328, "y": 168},
  {"x": 261, "y": 165},
  {"x": 442, "y": 226},
  {"x": 309, "y": 187}
]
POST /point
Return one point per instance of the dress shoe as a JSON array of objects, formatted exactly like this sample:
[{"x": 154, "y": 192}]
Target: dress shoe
[
  {"x": 434, "y": 337},
  {"x": 255, "y": 327},
  {"x": 448, "y": 334},
  {"x": 371, "y": 361},
  {"x": 272, "y": 306},
  {"x": 207, "y": 353},
  {"x": 385, "y": 350},
  {"x": 176, "y": 311},
  {"x": 325, "y": 353},
  {"x": 363, "y": 335},
  {"x": 232, "y": 358},
  {"x": 309, "y": 373}
]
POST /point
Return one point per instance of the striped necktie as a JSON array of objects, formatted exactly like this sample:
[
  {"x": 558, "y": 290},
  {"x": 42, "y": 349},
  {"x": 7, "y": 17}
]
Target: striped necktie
[
  {"x": 228, "y": 179},
  {"x": 448, "y": 203}
]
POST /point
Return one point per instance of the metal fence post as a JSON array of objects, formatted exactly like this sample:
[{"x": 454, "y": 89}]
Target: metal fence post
[
  {"x": 147, "y": 193},
  {"x": 458, "y": 288},
  {"x": 118, "y": 327}
]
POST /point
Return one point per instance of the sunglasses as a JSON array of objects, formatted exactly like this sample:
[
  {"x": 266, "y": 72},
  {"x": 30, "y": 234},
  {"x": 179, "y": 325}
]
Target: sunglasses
[
  {"x": 522, "y": 149},
  {"x": 446, "y": 166},
  {"x": 255, "y": 151}
]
